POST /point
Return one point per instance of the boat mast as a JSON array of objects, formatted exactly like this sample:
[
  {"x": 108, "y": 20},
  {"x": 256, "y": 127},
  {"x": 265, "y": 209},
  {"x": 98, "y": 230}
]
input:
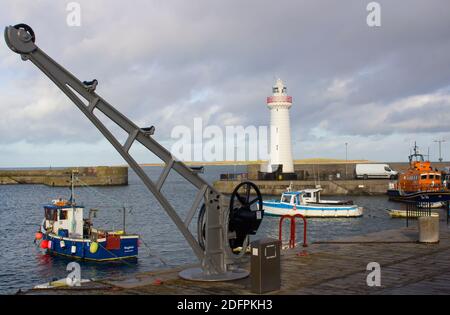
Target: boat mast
[
  {"x": 72, "y": 188},
  {"x": 72, "y": 200},
  {"x": 123, "y": 223}
]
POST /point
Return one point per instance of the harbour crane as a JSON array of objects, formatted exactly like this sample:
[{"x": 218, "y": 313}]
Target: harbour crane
[{"x": 222, "y": 225}]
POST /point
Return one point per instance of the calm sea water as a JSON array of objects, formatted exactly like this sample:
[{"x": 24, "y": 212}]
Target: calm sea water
[{"x": 23, "y": 265}]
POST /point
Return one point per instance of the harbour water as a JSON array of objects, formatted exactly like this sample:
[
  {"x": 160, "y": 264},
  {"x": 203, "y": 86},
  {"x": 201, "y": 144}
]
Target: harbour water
[{"x": 23, "y": 265}]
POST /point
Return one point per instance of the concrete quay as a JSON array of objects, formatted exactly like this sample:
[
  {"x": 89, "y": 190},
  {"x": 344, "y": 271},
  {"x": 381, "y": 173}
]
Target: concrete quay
[{"x": 328, "y": 267}]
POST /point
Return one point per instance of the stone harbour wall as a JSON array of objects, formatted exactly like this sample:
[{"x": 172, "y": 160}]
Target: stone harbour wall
[{"x": 92, "y": 176}]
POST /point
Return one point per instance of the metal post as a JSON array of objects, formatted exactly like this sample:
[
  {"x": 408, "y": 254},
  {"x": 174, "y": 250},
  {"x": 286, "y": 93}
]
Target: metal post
[
  {"x": 440, "y": 142},
  {"x": 346, "y": 160},
  {"x": 407, "y": 213},
  {"x": 123, "y": 219},
  {"x": 447, "y": 208},
  {"x": 235, "y": 160}
]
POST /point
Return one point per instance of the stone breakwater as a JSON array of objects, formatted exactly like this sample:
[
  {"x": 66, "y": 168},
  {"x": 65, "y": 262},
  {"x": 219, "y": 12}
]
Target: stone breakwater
[{"x": 92, "y": 176}]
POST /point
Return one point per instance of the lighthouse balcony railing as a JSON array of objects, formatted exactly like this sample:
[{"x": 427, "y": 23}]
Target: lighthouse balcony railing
[{"x": 280, "y": 98}]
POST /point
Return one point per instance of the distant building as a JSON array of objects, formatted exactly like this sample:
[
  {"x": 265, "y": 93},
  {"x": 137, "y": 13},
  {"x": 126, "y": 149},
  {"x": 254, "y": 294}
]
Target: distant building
[{"x": 280, "y": 135}]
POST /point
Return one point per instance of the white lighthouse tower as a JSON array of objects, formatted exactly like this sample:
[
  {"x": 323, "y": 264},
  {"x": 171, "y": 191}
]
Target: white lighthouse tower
[{"x": 280, "y": 134}]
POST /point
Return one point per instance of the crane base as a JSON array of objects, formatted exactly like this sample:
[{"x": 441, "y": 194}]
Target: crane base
[{"x": 197, "y": 274}]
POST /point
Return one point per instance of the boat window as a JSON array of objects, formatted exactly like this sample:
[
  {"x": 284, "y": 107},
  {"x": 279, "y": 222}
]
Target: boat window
[
  {"x": 63, "y": 214},
  {"x": 431, "y": 176},
  {"x": 295, "y": 200},
  {"x": 438, "y": 176},
  {"x": 50, "y": 214},
  {"x": 286, "y": 198},
  {"x": 423, "y": 176},
  {"x": 307, "y": 195}
]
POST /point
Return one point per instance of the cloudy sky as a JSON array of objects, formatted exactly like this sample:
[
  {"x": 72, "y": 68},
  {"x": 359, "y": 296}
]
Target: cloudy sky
[{"x": 164, "y": 63}]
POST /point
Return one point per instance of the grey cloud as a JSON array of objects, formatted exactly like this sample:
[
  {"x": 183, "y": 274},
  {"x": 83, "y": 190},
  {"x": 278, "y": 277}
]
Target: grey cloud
[{"x": 151, "y": 57}]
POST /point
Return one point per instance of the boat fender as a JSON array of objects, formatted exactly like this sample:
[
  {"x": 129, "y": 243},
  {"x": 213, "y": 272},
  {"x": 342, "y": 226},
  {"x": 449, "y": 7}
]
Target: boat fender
[
  {"x": 50, "y": 243},
  {"x": 38, "y": 236},
  {"x": 73, "y": 249},
  {"x": 93, "y": 248},
  {"x": 44, "y": 244},
  {"x": 62, "y": 244}
]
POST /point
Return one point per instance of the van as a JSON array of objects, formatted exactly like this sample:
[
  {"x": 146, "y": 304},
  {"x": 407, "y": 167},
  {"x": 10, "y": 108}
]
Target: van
[{"x": 367, "y": 171}]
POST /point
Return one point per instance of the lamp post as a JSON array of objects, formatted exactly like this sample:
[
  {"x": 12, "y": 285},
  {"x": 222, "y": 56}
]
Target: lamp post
[
  {"x": 440, "y": 142},
  {"x": 235, "y": 160},
  {"x": 346, "y": 159}
]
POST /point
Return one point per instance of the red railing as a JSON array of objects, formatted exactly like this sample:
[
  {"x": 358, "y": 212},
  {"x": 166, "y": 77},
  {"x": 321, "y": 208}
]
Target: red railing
[{"x": 293, "y": 229}]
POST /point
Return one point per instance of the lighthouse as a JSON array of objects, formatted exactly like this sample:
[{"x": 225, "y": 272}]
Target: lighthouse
[{"x": 280, "y": 132}]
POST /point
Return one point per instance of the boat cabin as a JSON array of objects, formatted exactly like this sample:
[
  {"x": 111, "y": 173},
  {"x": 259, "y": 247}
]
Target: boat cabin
[
  {"x": 292, "y": 198},
  {"x": 64, "y": 219},
  {"x": 311, "y": 195}
]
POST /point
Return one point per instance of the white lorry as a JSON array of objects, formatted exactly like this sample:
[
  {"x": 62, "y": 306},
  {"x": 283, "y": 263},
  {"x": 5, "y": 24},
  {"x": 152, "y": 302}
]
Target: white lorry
[{"x": 367, "y": 171}]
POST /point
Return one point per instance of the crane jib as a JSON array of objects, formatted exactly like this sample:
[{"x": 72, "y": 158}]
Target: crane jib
[{"x": 212, "y": 246}]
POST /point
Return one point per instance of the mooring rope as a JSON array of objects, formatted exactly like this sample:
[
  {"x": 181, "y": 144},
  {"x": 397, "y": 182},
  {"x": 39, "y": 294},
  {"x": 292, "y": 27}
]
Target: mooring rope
[
  {"x": 121, "y": 203},
  {"x": 123, "y": 260},
  {"x": 154, "y": 255},
  {"x": 120, "y": 259}
]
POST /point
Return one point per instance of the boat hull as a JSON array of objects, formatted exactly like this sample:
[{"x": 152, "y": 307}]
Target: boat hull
[
  {"x": 280, "y": 209},
  {"x": 417, "y": 197},
  {"x": 80, "y": 248}
]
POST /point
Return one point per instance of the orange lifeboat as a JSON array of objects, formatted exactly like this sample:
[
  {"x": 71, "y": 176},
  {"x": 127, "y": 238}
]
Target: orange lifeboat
[
  {"x": 421, "y": 178},
  {"x": 418, "y": 179}
]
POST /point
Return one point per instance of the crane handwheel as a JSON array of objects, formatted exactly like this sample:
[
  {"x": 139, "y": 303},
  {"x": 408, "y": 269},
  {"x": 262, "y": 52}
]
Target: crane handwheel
[{"x": 246, "y": 212}]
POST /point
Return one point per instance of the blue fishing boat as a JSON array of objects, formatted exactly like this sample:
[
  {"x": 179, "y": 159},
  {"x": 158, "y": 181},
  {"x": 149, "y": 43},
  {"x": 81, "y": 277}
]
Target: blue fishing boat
[
  {"x": 65, "y": 231},
  {"x": 304, "y": 202}
]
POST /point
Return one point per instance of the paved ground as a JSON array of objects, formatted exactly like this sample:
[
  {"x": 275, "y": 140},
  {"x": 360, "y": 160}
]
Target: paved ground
[{"x": 407, "y": 267}]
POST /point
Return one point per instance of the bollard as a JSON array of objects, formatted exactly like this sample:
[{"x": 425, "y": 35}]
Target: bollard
[
  {"x": 429, "y": 229},
  {"x": 265, "y": 266}
]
